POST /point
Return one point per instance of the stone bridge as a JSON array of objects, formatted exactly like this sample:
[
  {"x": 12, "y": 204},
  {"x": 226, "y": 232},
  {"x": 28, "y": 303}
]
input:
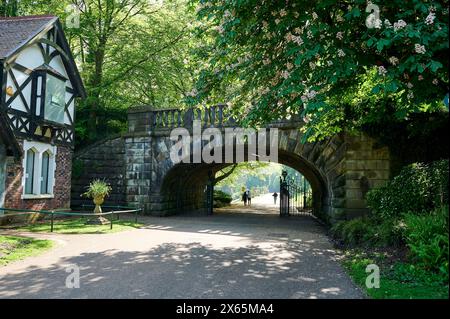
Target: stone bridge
[{"x": 340, "y": 169}]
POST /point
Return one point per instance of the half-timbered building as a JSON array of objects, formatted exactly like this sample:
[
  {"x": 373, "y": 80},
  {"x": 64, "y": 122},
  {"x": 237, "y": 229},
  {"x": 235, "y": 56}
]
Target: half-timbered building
[{"x": 39, "y": 85}]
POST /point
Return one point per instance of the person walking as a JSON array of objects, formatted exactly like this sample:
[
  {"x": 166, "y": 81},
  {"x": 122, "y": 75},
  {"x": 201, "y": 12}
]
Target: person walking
[
  {"x": 275, "y": 196},
  {"x": 249, "y": 197},
  {"x": 244, "y": 198}
]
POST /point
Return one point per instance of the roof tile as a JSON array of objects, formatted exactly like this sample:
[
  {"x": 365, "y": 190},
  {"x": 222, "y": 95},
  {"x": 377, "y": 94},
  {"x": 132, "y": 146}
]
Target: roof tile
[{"x": 16, "y": 31}]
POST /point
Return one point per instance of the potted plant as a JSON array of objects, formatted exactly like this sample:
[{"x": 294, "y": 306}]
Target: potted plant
[{"x": 98, "y": 190}]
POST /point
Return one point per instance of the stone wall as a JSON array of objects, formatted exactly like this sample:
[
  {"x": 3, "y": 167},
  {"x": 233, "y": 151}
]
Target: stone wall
[{"x": 104, "y": 160}]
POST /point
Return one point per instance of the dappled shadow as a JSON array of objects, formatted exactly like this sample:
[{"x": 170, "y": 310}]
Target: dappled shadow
[
  {"x": 242, "y": 223},
  {"x": 190, "y": 270}
]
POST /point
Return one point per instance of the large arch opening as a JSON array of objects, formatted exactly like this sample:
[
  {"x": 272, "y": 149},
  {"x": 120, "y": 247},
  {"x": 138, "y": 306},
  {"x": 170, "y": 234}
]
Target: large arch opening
[{"x": 184, "y": 185}]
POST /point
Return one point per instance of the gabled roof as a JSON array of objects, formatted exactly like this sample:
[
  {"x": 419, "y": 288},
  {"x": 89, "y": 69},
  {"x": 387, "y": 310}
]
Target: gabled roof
[
  {"x": 7, "y": 137},
  {"x": 17, "y": 32}
]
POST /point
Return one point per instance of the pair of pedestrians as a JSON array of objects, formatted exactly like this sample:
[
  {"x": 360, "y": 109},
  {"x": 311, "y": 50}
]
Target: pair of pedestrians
[{"x": 247, "y": 198}]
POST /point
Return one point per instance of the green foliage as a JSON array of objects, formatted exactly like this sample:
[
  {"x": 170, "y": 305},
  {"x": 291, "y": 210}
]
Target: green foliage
[
  {"x": 352, "y": 232},
  {"x": 427, "y": 237},
  {"x": 364, "y": 231},
  {"x": 97, "y": 188},
  {"x": 419, "y": 188},
  {"x": 221, "y": 199},
  {"x": 259, "y": 177},
  {"x": 398, "y": 280},
  {"x": 319, "y": 60}
]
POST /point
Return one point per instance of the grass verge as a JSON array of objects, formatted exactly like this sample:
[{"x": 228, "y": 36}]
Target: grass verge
[
  {"x": 78, "y": 226},
  {"x": 13, "y": 248},
  {"x": 398, "y": 279}
]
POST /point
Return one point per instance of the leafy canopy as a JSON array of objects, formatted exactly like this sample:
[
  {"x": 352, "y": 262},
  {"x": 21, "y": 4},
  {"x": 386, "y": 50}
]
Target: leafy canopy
[{"x": 338, "y": 64}]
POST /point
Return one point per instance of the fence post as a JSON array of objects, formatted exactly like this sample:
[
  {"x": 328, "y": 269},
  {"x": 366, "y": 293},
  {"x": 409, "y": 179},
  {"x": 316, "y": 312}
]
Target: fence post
[
  {"x": 111, "y": 219},
  {"x": 51, "y": 223}
]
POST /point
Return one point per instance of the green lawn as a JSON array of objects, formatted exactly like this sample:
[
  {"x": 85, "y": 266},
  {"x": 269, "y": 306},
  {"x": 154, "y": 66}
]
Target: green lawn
[
  {"x": 14, "y": 248},
  {"x": 78, "y": 226},
  {"x": 398, "y": 280}
]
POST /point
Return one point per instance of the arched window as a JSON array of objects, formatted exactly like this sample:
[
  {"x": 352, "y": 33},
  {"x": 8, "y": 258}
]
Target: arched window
[
  {"x": 45, "y": 169},
  {"x": 39, "y": 166},
  {"x": 29, "y": 171}
]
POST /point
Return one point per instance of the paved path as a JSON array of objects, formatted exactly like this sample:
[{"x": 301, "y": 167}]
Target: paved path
[{"x": 253, "y": 254}]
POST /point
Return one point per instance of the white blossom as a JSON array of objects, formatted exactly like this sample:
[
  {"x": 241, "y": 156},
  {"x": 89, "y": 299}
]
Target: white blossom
[
  {"x": 330, "y": 63},
  {"x": 339, "y": 35},
  {"x": 435, "y": 81},
  {"x": 409, "y": 85},
  {"x": 430, "y": 18},
  {"x": 285, "y": 74},
  {"x": 311, "y": 94},
  {"x": 393, "y": 60},
  {"x": 193, "y": 93},
  {"x": 382, "y": 70},
  {"x": 220, "y": 29},
  {"x": 341, "y": 53},
  {"x": 314, "y": 15},
  {"x": 288, "y": 37},
  {"x": 400, "y": 24},
  {"x": 377, "y": 24},
  {"x": 420, "y": 48},
  {"x": 297, "y": 39},
  {"x": 410, "y": 95}
]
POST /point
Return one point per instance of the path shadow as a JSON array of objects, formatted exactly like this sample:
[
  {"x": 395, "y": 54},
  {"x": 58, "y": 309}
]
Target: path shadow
[{"x": 194, "y": 270}]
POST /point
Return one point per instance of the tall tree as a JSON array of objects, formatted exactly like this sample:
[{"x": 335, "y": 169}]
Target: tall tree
[
  {"x": 338, "y": 64},
  {"x": 129, "y": 52}
]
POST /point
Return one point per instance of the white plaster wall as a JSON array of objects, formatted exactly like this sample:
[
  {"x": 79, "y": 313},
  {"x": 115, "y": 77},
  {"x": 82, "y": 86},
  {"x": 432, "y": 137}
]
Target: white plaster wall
[{"x": 32, "y": 58}]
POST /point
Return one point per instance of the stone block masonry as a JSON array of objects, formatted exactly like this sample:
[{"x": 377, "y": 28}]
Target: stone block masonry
[
  {"x": 341, "y": 169},
  {"x": 104, "y": 160}
]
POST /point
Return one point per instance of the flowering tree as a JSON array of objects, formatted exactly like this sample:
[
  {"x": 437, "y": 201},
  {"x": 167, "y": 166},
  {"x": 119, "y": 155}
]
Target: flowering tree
[{"x": 337, "y": 64}]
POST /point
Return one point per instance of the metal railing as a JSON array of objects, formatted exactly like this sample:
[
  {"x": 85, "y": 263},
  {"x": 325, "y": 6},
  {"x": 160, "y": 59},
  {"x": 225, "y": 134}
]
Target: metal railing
[{"x": 52, "y": 213}]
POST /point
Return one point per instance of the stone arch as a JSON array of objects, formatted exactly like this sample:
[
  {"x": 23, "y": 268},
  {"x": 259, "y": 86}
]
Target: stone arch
[
  {"x": 180, "y": 187},
  {"x": 184, "y": 184}
]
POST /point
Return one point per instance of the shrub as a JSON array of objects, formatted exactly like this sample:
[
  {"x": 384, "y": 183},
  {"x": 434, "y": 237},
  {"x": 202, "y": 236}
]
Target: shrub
[
  {"x": 427, "y": 238},
  {"x": 419, "y": 188},
  {"x": 221, "y": 198},
  {"x": 352, "y": 232},
  {"x": 387, "y": 233},
  {"x": 365, "y": 231}
]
